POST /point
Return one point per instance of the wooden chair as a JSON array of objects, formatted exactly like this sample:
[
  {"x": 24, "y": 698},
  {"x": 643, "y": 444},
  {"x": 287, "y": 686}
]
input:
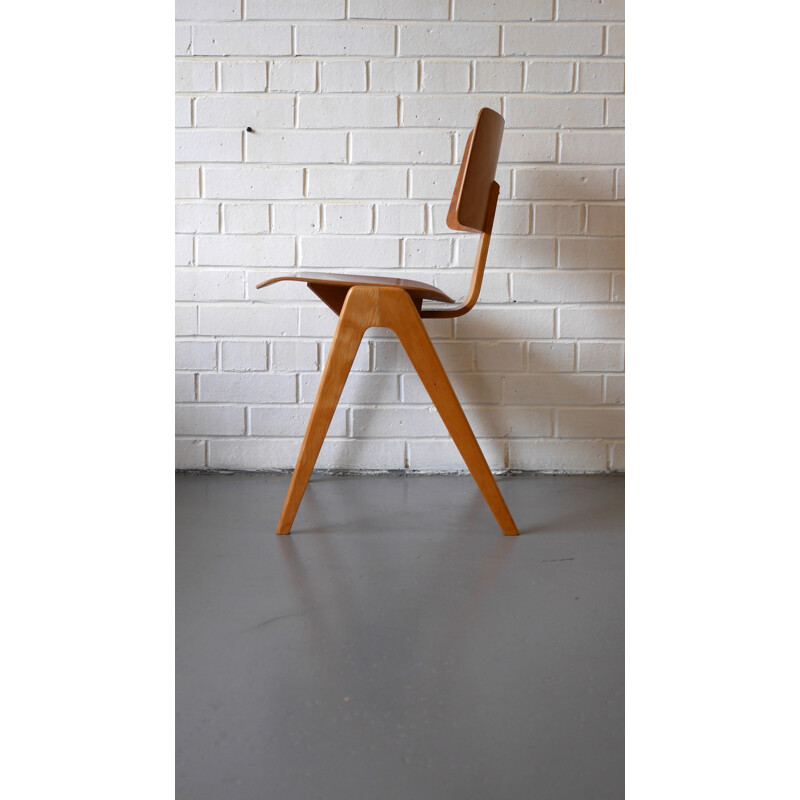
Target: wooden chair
[{"x": 363, "y": 302}]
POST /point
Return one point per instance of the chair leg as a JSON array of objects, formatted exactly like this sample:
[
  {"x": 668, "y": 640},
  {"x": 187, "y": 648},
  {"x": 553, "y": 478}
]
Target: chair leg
[
  {"x": 346, "y": 340},
  {"x": 404, "y": 319}
]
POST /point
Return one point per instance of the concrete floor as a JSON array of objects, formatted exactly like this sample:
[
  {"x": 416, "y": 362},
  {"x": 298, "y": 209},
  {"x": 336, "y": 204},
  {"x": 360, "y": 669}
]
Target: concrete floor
[{"x": 396, "y": 646}]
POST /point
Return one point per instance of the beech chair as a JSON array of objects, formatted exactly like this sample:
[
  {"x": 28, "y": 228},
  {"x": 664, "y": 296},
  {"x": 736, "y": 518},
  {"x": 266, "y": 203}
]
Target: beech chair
[{"x": 363, "y": 302}]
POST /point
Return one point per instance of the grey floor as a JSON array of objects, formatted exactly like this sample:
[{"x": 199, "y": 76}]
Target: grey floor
[{"x": 396, "y": 645}]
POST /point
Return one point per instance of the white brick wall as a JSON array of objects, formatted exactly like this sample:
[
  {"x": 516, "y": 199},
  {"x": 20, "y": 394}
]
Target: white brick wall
[{"x": 326, "y": 134}]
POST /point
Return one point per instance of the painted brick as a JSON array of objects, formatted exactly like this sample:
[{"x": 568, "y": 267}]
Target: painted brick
[
  {"x": 298, "y": 147},
  {"x": 401, "y": 147},
  {"x": 183, "y": 112},
  {"x": 342, "y": 111},
  {"x": 601, "y": 76},
  {"x": 553, "y": 40},
  {"x": 427, "y": 252},
  {"x": 243, "y": 76},
  {"x": 194, "y": 145},
  {"x": 185, "y": 320},
  {"x": 551, "y": 356},
  {"x": 448, "y": 40},
  {"x": 615, "y": 110},
  {"x": 209, "y": 284},
  {"x": 296, "y": 218},
  {"x": 190, "y": 454},
  {"x": 554, "y": 112},
  {"x": 508, "y": 10},
  {"x": 195, "y": 355},
  {"x": 288, "y": 356},
  {"x": 549, "y": 76},
  {"x": 615, "y": 389},
  {"x": 617, "y": 456},
  {"x": 377, "y": 177},
  {"x": 293, "y": 76},
  {"x": 498, "y": 76},
  {"x": 349, "y": 251},
  {"x": 545, "y": 183},
  {"x": 297, "y": 9},
  {"x": 527, "y": 147},
  {"x": 196, "y": 218},
  {"x": 253, "y": 183},
  {"x": 234, "y": 111},
  {"x": 432, "y": 182},
  {"x": 197, "y": 419},
  {"x": 554, "y": 219},
  {"x": 445, "y": 76},
  {"x": 544, "y": 286},
  {"x": 231, "y": 319},
  {"x": 598, "y": 322},
  {"x": 393, "y": 76},
  {"x": 494, "y": 287},
  {"x": 512, "y": 219},
  {"x": 347, "y": 218},
  {"x": 207, "y": 9},
  {"x": 398, "y": 9},
  {"x": 590, "y": 423},
  {"x": 470, "y": 388},
  {"x": 244, "y": 356},
  {"x": 356, "y": 182},
  {"x": 591, "y": 9},
  {"x": 455, "y": 356},
  {"x": 343, "y": 76},
  {"x": 554, "y": 455},
  {"x": 183, "y": 40},
  {"x": 592, "y": 148},
  {"x": 246, "y": 387},
  {"x": 194, "y": 76},
  {"x": 184, "y": 252},
  {"x": 397, "y": 423},
  {"x": 443, "y": 455},
  {"x": 615, "y": 40},
  {"x": 345, "y": 39},
  {"x": 184, "y": 387},
  {"x": 500, "y": 356},
  {"x": 399, "y": 218},
  {"x": 618, "y": 287},
  {"x": 601, "y": 357},
  {"x": 506, "y": 323},
  {"x": 292, "y": 421},
  {"x": 511, "y": 421},
  {"x": 513, "y": 252},
  {"x": 591, "y": 253},
  {"x": 187, "y": 182},
  {"x": 554, "y": 388},
  {"x": 362, "y": 388},
  {"x": 242, "y": 39},
  {"x": 245, "y": 217},
  {"x": 606, "y": 220},
  {"x": 445, "y": 111},
  {"x": 245, "y": 250}
]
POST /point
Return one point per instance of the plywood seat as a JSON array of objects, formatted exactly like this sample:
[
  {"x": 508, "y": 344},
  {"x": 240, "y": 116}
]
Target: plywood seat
[
  {"x": 363, "y": 302},
  {"x": 332, "y": 287}
]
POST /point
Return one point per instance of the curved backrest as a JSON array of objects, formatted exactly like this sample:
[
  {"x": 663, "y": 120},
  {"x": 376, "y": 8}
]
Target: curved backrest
[{"x": 475, "y": 177}]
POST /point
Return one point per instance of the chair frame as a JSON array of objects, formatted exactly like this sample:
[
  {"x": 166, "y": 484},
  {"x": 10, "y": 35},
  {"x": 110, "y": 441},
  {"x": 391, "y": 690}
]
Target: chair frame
[{"x": 365, "y": 302}]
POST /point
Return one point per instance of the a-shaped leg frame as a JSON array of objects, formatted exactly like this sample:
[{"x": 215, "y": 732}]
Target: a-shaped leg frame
[{"x": 363, "y": 308}]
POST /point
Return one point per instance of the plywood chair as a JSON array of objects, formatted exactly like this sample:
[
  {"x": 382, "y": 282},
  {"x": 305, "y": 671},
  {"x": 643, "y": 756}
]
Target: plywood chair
[{"x": 364, "y": 302}]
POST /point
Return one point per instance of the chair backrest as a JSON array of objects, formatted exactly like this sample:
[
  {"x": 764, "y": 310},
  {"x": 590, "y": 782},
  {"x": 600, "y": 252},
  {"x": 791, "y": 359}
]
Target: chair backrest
[
  {"x": 470, "y": 203},
  {"x": 474, "y": 200}
]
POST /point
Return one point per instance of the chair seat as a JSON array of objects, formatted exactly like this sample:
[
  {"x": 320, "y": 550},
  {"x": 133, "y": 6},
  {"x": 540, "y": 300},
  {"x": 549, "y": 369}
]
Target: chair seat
[{"x": 417, "y": 289}]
